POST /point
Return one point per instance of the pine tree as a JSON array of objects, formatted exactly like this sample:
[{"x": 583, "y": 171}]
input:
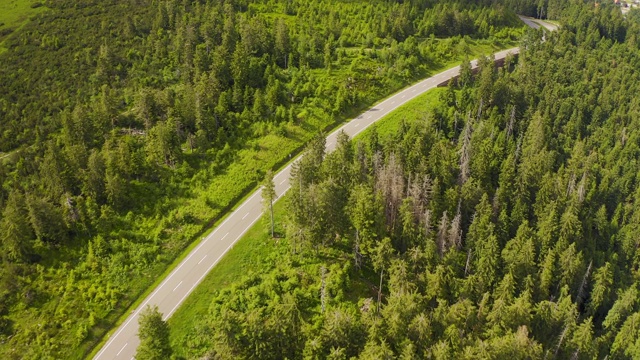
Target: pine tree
[
  {"x": 381, "y": 259},
  {"x": 519, "y": 253},
  {"x": 602, "y": 288},
  {"x": 282, "y": 43},
  {"x": 268, "y": 196},
  {"x": 582, "y": 340},
  {"x": 465, "y": 76},
  {"x": 15, "y": 230},
  {"x": 94, "y": 177},
  {"x": 465, "y": 152},
  {"x": 627, "y": 341},
  {"x": 364, "y": 211}
]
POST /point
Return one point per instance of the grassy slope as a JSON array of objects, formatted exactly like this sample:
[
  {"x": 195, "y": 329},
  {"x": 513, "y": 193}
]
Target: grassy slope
[
  {"x": 256, "y": 251},
  {"x": 14, "y": 14},
  {"x": 209, "y": 200},
  {"x": 211, "y": 197}
]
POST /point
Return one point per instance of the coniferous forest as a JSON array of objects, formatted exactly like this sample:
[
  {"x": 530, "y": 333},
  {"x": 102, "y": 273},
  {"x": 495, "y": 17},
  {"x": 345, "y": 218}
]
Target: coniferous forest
[
  {"x": 503, "y": 224},
  {"x": 500, "y": 224},
  {"x": 127, "y": 128}
]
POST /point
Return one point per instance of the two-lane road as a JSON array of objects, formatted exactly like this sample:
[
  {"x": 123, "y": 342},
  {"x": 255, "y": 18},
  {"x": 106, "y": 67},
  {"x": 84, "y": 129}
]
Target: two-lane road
[
  {"x": 185, "y": 277},
  {"x": 537, "y": 23}
]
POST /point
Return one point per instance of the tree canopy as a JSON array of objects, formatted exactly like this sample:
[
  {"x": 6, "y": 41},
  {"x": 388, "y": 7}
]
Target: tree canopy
[
  {"x": 502, "y": 223},
  {"x": 128, "y": 127}
]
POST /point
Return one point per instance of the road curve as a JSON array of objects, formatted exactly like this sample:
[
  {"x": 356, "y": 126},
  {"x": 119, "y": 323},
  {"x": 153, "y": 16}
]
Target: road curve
[
  {"x": 537, "y": 23},
  {"x": 187, "y": 275}
]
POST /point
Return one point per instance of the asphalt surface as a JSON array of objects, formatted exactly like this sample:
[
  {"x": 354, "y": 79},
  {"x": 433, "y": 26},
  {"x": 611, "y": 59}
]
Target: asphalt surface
[
  {"x": 536, "y": 23},
  {"x": 185, "y": 277}
]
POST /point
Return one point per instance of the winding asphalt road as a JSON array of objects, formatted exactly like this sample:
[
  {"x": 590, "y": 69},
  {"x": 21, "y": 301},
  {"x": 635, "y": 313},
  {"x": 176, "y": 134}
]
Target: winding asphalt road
[{"x": 185, "y": 277}]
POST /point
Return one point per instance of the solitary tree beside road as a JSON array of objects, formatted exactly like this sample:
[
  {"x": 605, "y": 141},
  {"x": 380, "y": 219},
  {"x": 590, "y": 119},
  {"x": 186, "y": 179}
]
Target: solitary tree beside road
[
  {"x": 269, "y": 195},
  {"x": 154, "y": 336}
]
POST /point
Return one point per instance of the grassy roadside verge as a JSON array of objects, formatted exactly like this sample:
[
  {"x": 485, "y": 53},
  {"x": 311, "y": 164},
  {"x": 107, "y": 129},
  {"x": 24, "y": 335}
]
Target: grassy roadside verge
[
  {"x": 212, "y": 198},
  {"x": 145, "y": 291},
  {"x": 256, "y": 252}
]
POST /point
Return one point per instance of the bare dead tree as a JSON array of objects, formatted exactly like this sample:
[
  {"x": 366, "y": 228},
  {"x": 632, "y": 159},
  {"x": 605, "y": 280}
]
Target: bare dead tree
[
  {"x": 583, "y": 285},
  {"x": 582, "y": 188},
  {"x": 377, "y": 164},
  {"x": 442, "y": 234},
  {"x": 480, "y": 109},
  {"x": 571, "y": 186},
  {"x": 390, "y": 183},
  {"x": 495, "y": 202},
  {"x": 414, "y": 193},
  {"x": 518, "y": 150},
  {"x": 468, "y": 263},
  {"x": 562, "y": 335},
  {"x": 427, "y": 222},
  {"x": 455, "y": 231},
  {"x": 420, "y": 193},
  {"x": 575, "y": 354}
]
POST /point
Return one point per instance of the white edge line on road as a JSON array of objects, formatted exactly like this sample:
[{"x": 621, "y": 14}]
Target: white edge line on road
[
  {"x": 211, "y": 267},
  {"x": 381, "y": 116},
  {"x": 166, "y": 280},
  {"x": 205, "y": 256},
  {"x": 175, "y": 288},
  {"x": 285, "y": 191},
  {"x": 125, "y": 345}
]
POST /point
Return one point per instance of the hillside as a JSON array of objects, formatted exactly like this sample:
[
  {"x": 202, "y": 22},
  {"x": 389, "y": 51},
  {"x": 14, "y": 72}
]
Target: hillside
[
  {"x": 498, "y": 222},
  {"x": 130, "y": 127}
]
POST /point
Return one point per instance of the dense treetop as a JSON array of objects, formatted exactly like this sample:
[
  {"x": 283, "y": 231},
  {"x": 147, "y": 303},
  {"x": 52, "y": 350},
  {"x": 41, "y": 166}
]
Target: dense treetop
[
  {"x": 503, "y": 224},
  {"x": 127, "y": 127}
]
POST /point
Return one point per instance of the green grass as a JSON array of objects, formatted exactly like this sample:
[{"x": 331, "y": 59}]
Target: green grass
[
  {"x": 115, "y": 319},
  {"x": 239, "y": 178},
  {"x": 256, "y": 252},
  {"x": 416, "y": 109},
  {"x": 13, "y": 15},
  {"x": 252, "y": 253}
]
